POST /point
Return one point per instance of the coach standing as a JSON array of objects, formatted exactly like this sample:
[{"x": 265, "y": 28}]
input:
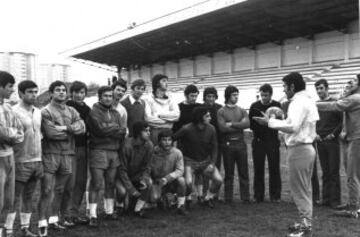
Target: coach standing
[{"x": 300, "y": 133}]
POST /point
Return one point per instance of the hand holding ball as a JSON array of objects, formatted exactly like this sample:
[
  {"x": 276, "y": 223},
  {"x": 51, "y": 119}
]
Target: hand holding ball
[
  {"x": 142, "y": 185},
  {"x": 275, "y": 112}
]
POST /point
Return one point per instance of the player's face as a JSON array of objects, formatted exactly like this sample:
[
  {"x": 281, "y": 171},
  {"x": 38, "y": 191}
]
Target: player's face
[
  {"x": 29, "y": 96},
  {"x": 107, "y": 98},
  {"x": 5, "y": 92},
  {"x": 322, "y": 91},
  {"x": 138, "y": 91},
  {"x": 207, "y": 118},
  {"x": 163, "y": 84},
  {"x": 354, "y": 84},
  {"x": 145, "y": 134},
  {"x": 234, "y": 97},
  {"x": 288, "y": 90},
  {"x": 347, "y": 87},
  {"x": 78, "y": 96},
  {"x": 191, "y": 98},
  {"x": 119, "y": 92},
  {"x": 210, "y": 99},
  {"x": 166, "y": 143},
  {"x": 59, "y": 93},
  {"x": 265, "y": 97}
]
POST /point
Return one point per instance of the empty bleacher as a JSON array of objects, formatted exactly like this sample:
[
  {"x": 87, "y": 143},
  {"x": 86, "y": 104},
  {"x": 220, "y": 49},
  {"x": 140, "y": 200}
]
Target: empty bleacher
[
  {"x": 251, "y": 79},
  {"x": 337, "y": 73}
]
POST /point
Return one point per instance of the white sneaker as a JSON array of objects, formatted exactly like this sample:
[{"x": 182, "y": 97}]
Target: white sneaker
[
  {"x": 7, "y": 233},
  {"x": 43, "y": 231}
]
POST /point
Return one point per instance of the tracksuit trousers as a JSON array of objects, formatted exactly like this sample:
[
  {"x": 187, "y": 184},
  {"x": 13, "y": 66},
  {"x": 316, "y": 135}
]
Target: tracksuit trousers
[{"x": 301, "y": 163}]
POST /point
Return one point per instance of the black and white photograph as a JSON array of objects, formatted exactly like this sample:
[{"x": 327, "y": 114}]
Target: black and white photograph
[{"x": 180, "y": 118}]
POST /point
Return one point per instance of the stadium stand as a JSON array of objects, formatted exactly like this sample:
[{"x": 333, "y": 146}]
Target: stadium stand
[
  {"x": 237, "y": 43},
  {"x": 251, "y": 79},
  {"x": 339, "y": 74}
]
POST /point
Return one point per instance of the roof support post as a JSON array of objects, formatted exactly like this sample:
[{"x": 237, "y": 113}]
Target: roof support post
[
  {"x": 346, "y": 47},
  {"x": 119, "y": 68},
  {"x": 280, "y": 62},
  {"x": 255, "y": 62},
  {"x": 151, "y": 71},
  {"x": 177, "y": 70},
  {"x": 163, "y": 71},
  {"x": 232, "y": 61},
  {"x": 311, "y": 50},
  {"x": 211, "y": 68}
]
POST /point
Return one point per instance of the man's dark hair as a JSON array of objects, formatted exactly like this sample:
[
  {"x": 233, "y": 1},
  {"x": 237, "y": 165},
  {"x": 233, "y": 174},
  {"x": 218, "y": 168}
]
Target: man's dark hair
[
  {"x": 103, "y": 89},
  {"x": 27, "y": 84},
  {"x": 76, "y": 86},
  {"x": 210, "y": 90},
  {"x": 56, "y": 84},
  {"x": 120, "y": 83},
  {"x": 138, "y": 127},
  {"x": 228, "y": 91},
  {"x": 190, "y": 89},
  {"x": 138, "y": 82},
  {"x": 6, "y": 78},
  {"x": 296, "y": 79},
  {"x": 266, "y": 88},
  {"x": 155, "y": 81},
  {"x": 198, "y": 114},
  {"x": 165, "y": 133},
  {"x": 323, "y": 82}
]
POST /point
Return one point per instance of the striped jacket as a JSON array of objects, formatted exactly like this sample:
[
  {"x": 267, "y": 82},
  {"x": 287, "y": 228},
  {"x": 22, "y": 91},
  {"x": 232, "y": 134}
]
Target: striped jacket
[{"x": 11, "y": 130}]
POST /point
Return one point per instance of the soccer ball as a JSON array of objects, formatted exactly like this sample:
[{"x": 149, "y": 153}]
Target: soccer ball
[{"x": 275, "y": 112}]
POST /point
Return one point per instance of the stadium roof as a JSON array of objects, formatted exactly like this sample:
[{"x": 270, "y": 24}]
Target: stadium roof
[{"x": 194, "y": 31}]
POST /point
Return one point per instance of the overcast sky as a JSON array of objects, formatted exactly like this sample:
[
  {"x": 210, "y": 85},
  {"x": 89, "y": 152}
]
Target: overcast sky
[
  {"x": 47, "y": 27},
  {"x": 51, "y": 26}
]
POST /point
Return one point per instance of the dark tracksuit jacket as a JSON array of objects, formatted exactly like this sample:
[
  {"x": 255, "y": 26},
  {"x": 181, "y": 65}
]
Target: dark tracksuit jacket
[
  {"x": 198, "y": 144},
  {"x": 135, "y": 162},
  {"x": 55, "y": 142},
  {"x": 105, "y": 130}
]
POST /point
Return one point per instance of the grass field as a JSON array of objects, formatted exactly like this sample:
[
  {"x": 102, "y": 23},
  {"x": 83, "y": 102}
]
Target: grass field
[{"x": 265, "y": 219}]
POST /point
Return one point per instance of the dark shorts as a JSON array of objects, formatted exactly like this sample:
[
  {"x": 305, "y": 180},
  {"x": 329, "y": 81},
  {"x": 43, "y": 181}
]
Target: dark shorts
[
  {"x": 197, "y": 166},
  {"x": 171, "y": 187},
  {"x": 102, "y": 159},
  {"x": 56, "y": 163},
  {"x": 28, "y": 170}
]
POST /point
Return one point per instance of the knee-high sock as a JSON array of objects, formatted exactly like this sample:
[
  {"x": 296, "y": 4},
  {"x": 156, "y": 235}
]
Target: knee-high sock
[
  {"x": 53, "y": 219},
  {"x": 210, "y": 195},
  {"x": 109, "y": 205},
  {"x": 25, "y": 219},
  {"x": 92, "y": 208},
  {"x": 9, "y": 223},
  {"x": 139, "y": 205}
]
